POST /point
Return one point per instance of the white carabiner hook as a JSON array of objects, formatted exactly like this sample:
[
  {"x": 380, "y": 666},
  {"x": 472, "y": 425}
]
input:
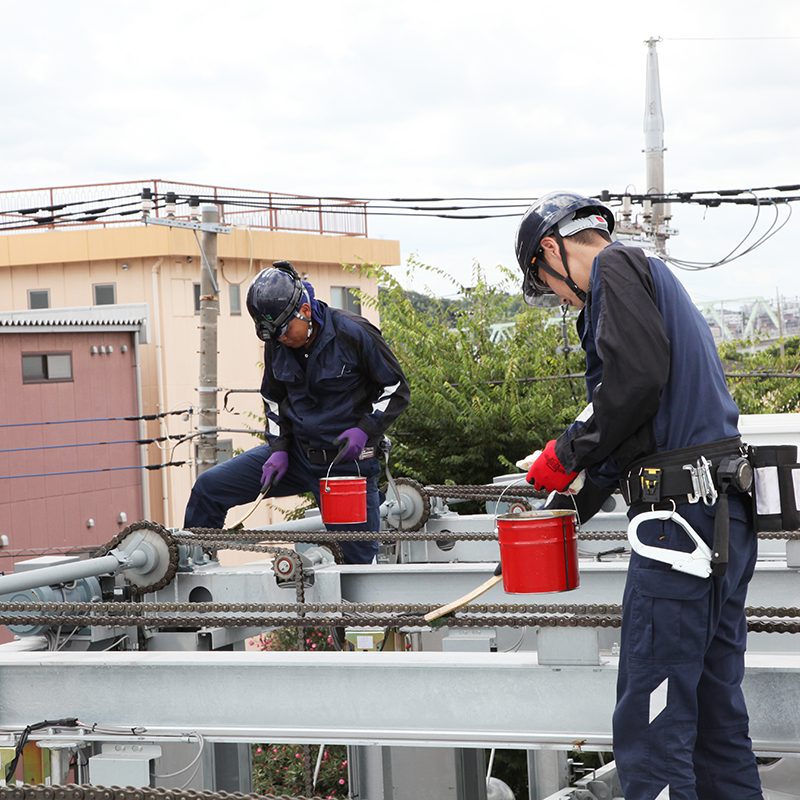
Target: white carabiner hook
[{"x": 698, "y": 562}]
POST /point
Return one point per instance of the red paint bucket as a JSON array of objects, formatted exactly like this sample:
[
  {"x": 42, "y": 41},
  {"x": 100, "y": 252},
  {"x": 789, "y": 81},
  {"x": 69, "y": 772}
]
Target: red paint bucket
[
  {"x": 343, "y": 500},
  {"x": 538, "y": 551}
]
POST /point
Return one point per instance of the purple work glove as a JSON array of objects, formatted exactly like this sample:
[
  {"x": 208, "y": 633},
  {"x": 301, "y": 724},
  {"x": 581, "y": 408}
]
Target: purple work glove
[
  {"x": 351, "y": 443},
  {"x": 273, "y": 470}
]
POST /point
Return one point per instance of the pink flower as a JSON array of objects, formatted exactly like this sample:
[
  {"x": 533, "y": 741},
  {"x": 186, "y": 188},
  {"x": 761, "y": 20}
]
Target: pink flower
[
  {"x": 258, "y": 749},
  {"x": 341, "y": 781},
  {"x": 344, "y": 763}
]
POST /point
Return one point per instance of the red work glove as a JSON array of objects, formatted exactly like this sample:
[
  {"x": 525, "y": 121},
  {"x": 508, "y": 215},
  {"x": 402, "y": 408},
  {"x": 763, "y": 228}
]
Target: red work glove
[{"x": 548, "y": 473}]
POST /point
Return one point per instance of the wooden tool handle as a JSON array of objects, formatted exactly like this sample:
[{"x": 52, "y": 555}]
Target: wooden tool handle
[{"x": 462, "y": 601}]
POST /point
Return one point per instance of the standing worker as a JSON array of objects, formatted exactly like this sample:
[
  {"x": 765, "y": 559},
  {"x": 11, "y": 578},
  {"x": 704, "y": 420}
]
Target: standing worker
[
  {"x": 659, "y": 416},
  {"x": 331, "y": 388}
]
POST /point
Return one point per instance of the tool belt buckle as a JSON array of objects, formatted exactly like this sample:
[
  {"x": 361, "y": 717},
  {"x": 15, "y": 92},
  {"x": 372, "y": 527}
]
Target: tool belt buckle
[
  {"x": 702, "y": 482},
  {"x": 650, "y": 481}
]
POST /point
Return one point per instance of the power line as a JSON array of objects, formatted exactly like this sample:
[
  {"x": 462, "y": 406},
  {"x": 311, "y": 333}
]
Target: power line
[
  {"x": 146, "y": 417},
  {"x": 102, "y": 469},
  {"x": 92, "y": 444}
]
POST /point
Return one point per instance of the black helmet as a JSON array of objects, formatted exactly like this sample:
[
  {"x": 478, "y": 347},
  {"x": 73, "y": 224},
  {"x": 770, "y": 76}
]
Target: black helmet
[
  {"x": 547, "y": 212},
  {"x": 274, "y": 299}
]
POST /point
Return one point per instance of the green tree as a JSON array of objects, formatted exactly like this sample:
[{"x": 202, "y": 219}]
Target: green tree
[
  {"x": 760, "y": 393},
  {"x": 477, "y": 405}
]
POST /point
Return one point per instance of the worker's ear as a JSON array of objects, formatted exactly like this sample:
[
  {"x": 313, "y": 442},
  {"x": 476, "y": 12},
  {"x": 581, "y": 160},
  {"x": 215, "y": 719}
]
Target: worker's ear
[
  {"x": 305, "y": 310},
  {"x": 550, "y": 247}
]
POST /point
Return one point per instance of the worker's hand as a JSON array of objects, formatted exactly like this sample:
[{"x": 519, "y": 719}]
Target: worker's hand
[
  {"x": 351, "y": 443},
  {"x": 548, "y": 473},
  {"x": 273, "y": 470}
]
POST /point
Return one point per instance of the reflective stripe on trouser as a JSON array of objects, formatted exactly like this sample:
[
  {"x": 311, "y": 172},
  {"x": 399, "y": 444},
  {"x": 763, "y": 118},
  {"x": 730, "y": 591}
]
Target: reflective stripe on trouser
[
  {"x": 238, "y": 481},
  {"x": 680, "y": 725}
]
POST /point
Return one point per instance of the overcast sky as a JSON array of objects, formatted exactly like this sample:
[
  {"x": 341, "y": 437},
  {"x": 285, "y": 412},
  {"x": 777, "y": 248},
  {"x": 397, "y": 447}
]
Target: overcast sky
[{"x": 443, "y": 98}]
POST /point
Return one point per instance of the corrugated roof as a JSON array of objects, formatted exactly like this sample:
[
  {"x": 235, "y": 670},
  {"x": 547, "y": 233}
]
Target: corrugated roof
[{"x": 130, "y": 316}]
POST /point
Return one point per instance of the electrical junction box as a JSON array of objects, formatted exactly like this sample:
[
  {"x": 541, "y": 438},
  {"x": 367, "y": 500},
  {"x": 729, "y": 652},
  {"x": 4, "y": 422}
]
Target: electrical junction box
[{"x": 123, "y": 765}]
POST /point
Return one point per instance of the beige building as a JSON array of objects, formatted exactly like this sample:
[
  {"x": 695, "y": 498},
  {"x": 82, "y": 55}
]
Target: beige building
[{"x": 74, "y": 266}]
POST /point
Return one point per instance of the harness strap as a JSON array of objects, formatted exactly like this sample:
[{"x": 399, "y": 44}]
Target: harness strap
[{"x": 681, "y": 476}]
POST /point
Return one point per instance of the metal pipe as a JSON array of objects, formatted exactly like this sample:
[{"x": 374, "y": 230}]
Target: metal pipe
[{"x": 65, "y": 573}]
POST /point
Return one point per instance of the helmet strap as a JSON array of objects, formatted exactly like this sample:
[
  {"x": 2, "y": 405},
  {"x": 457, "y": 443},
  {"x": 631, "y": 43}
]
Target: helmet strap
[{"x": 579, "y": 293}]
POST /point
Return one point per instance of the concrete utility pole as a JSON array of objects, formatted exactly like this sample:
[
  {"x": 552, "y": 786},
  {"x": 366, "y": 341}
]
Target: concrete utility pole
[
  {"x": 654, "y": 147},
  {"x": 209, "y": 315}
]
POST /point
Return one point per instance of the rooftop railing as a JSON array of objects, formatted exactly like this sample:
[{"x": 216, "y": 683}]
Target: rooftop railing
[{"x": 114, "y": 204}]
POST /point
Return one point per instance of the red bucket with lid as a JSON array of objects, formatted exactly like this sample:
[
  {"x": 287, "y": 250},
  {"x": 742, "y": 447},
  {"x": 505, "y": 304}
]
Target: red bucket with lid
[
  {"x": 343, "y": 500},
  {"x": 538, "y": 551}
]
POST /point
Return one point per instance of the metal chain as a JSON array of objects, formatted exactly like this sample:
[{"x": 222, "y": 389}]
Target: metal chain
[
  {"x": 223, "y": 538},
  {"x": 370, "y": 620},
  {"x": 86, "y": 792},
  {"x": 220, "y": 538},
  {"x": 487, "y": 491}
]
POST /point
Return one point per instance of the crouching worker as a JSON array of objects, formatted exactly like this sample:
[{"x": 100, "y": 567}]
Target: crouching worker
[{"x": 331, "y": 388}]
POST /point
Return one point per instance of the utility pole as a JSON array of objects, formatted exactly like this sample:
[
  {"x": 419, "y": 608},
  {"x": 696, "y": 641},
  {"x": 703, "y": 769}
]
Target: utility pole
[
  {"x": 209, "y": 311},
  {"x": 654, "y": 149},
  {"x": 209, "y": 316}
]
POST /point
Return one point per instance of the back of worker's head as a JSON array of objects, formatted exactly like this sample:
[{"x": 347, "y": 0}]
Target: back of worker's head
[
  {"x": 273, "y": 299},
  {"x": 558, "y": 214}
]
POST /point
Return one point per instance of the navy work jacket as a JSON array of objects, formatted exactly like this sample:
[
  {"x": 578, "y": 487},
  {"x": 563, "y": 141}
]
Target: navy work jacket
[
  {"x": 653, "y": 376},
  {"x": 351, "y": 379}
]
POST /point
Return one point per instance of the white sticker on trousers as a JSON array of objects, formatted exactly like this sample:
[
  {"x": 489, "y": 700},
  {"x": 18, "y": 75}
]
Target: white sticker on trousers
[
  {"x": 663, "y": 794},
  {"x": 768, "y": 496},
  {"x": 658, "y": 699}
]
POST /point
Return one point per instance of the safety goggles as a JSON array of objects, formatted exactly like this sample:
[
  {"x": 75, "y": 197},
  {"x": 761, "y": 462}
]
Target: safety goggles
[
  {"x": 533, "y": 286},
  {"x": 269, "y": 329}
]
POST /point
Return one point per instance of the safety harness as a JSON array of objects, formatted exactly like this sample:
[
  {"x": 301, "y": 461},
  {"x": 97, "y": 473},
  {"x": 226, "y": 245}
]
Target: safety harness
[{"x": 657, "y": 484}]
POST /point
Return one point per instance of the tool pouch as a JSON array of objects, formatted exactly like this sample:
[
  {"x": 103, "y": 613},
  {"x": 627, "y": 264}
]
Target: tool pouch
[{"x": 776, "y": 487}]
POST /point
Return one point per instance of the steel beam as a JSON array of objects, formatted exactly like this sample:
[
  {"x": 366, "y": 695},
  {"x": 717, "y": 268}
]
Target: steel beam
[{"x": 427, "y": 699}]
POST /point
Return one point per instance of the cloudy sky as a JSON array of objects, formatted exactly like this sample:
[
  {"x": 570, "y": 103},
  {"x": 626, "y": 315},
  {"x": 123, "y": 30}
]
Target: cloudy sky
[{"x": 443, "y": 98}]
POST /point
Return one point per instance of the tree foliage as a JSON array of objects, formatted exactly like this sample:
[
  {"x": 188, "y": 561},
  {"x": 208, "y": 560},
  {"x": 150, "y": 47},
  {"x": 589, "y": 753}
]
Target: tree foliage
[
  {"x": 477, "y": 404},
  {"x": 762, "y": 394}
]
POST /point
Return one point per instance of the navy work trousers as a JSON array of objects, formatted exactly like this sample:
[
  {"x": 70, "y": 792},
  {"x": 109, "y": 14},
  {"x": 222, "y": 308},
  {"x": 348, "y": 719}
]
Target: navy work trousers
[
  {"x": 238, "y": 481},
  {"x": 681, "y": 729}
]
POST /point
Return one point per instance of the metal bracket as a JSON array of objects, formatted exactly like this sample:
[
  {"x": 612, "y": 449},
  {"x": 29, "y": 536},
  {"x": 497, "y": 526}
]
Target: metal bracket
[{"x": 208, "y": 227}]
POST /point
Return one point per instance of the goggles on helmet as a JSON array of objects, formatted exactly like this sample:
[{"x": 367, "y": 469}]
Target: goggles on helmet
[
  {"x": 533, "y": 286},
  {"x": 267, "y": 329}
]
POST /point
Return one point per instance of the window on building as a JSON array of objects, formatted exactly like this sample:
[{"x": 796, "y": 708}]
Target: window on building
[
  {"x": 38, "y": 298},
  {"x": 105, "y": 294},
  {"x": 236, "y": 300},
  {"x": 196, "y": 298},
  {"x": 46, "y": 367},
  {"x": 343, "y": 297}
]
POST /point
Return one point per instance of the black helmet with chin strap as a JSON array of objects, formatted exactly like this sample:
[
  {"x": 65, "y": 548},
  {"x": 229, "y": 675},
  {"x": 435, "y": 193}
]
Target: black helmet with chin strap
[
  {"x": 555, "y": 214},
  {"x": 274, "y": 299}
]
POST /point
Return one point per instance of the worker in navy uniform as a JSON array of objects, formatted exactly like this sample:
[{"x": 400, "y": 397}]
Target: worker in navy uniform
[
  {"x": 655, "y": 385},
  {"x": 331, "y": 389}
]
